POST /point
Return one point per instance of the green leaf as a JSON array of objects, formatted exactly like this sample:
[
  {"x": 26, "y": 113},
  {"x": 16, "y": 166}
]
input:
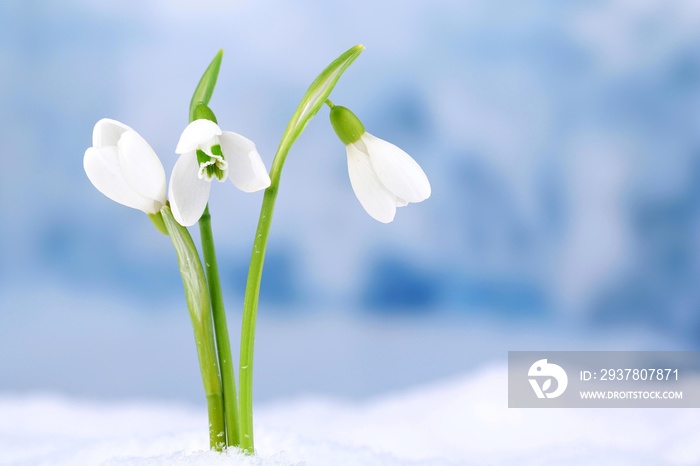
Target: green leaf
[
  {"x": 206, "y": 85},
  {"x": 196, "y": 290},
  {"x": 315, "y": 96},
  {"x": 197, "y": 297}
]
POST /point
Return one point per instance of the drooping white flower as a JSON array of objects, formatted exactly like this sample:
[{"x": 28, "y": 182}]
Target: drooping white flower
[
  {"x": 382, "y": 176},
  {"x": 207, "y": 153},
  {"x": 124, "y": 167}
]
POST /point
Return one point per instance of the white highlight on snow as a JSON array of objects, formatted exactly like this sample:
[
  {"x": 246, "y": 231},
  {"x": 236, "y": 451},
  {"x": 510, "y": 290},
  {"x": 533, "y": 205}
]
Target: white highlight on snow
[{"x": 462, "y": 421}]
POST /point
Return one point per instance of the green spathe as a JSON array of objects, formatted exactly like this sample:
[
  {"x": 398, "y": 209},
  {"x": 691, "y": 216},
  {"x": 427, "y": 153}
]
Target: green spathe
[
  {"x": 205, "y": 87},
  {"x": 311, "y": 103},
  {"x": 347, "y": 126}
]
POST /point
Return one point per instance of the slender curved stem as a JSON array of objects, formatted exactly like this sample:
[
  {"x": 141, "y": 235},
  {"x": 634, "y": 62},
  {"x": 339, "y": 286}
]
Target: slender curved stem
[
  {"x": 223, "y": 343},
  {"x": 313, "y": 100},
  {"x": 250, "y": 305}
]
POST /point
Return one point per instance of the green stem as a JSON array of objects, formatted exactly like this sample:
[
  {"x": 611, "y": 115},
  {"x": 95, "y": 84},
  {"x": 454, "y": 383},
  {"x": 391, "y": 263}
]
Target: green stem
[
  {"x": 223, "y": 343},
  {"x": 217, "y": 427},
  {"x": 199, "y": 308},
  {"x": 312, "y": 101},
  {"x": 250, "y": 308},
  {"x": 250, "y": 303}
]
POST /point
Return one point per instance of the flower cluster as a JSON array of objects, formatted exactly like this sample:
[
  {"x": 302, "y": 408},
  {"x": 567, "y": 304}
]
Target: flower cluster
[{"x": 124, "y": 167}]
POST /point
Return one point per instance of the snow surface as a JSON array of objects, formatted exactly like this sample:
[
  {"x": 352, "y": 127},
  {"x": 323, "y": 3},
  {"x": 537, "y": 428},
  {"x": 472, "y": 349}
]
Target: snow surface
[{"x": 461, "y": 421}]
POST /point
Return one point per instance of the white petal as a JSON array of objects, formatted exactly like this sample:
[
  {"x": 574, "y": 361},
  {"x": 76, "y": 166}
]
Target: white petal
[
  {"x": 107, "y": 132},
  {"x": 397, "y": 170},
  {"x": 141, "y": 167},
  {"x": 374, "y": 197},
  {"x": 102, "y": 168},
  {"x": 196, "y": 133},
  {"x": 245, "y": 167},
  {"x": 188, "y": 194}
]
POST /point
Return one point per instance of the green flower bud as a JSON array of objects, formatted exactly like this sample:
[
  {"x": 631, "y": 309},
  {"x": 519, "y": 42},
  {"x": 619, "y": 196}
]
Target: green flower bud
[{"x": 347, "y": 126}]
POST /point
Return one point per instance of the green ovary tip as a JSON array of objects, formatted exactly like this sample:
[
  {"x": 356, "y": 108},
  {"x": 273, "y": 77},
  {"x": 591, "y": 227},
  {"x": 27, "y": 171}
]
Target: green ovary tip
[{"x": 347, "y": 126}]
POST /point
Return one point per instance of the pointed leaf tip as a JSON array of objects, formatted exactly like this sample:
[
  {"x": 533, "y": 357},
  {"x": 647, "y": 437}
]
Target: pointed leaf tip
[
  {"x": 206, "y": 85},
  {"x": 318, "y": 92}
]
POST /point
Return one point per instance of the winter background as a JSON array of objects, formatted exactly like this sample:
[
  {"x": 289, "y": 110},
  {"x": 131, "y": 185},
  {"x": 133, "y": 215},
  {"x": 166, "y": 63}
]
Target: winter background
[{"x": 562, "y": 141}]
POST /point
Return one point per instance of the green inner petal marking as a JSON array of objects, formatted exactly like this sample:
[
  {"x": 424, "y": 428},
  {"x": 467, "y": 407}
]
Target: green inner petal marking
[
  {"x": 212, "y": 166},
  {"x": 202, "y": 157},
  {"x": 214, "y": 171}
]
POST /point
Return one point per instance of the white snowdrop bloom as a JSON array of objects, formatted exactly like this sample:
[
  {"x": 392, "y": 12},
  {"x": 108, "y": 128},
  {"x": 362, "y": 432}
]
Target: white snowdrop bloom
[
  {"x": 208, "y": 153},
  {"x": 124, "y": 167},
  {"x": 383, "y": 176}
]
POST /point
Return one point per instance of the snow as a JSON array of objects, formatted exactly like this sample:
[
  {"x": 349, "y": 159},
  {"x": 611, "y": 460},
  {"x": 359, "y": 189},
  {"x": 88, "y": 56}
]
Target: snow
[{"x": 459, "y": 421}]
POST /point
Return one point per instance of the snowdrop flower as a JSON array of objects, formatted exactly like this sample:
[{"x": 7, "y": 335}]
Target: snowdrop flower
[
  {"x": 383, "y": 176},
  {"x": 123, "y": 167},
  {"x": 208, "y": 153}
]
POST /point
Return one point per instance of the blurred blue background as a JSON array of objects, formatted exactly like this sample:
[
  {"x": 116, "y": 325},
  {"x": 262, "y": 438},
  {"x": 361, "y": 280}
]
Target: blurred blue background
[{"x": 562, "y": 141}]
